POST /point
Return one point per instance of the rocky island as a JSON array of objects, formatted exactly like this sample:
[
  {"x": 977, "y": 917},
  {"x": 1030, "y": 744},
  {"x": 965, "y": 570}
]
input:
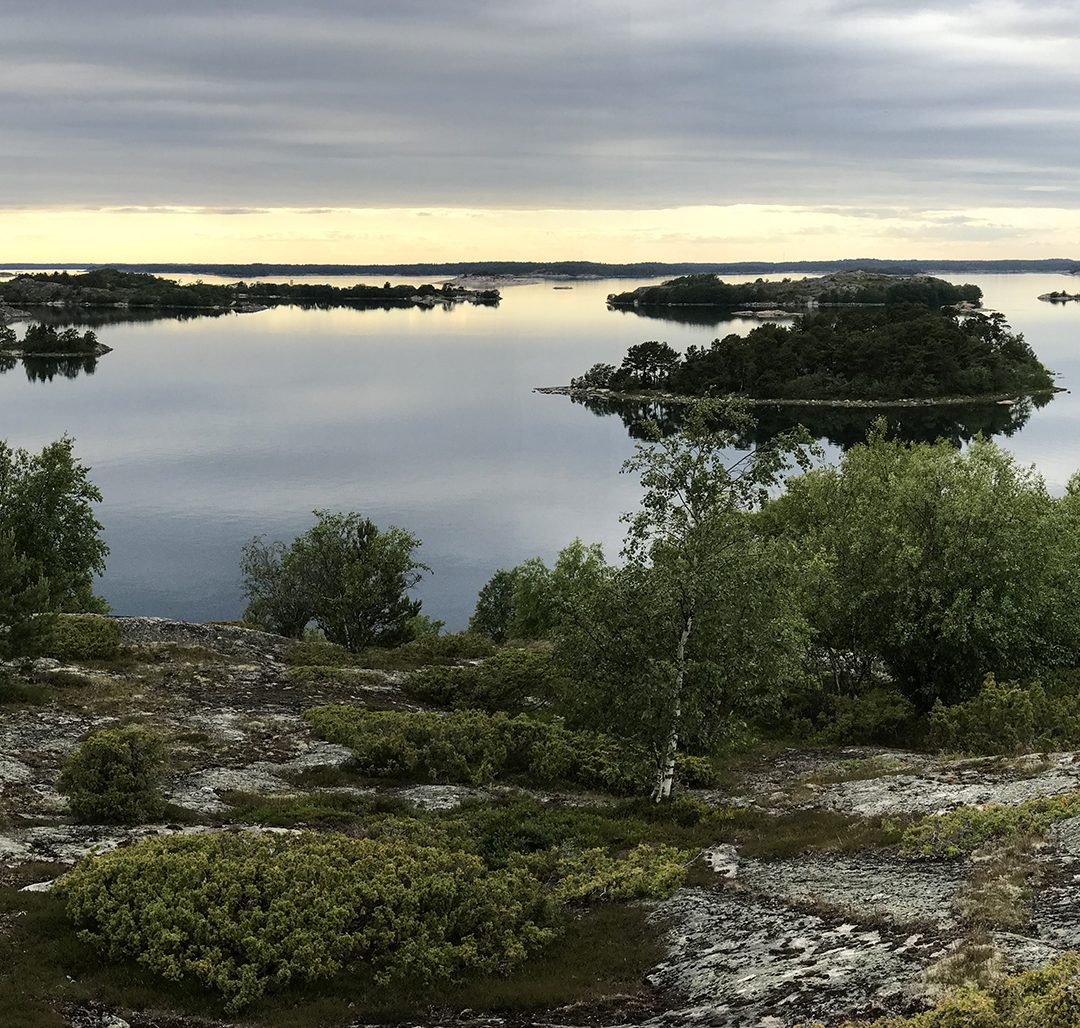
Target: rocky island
[
  {"x": 795, "y": 295},
  {"x": 51, "y": 343},
  {"x": 107, "y": 287},
  {"x": 894, "y": 354}
]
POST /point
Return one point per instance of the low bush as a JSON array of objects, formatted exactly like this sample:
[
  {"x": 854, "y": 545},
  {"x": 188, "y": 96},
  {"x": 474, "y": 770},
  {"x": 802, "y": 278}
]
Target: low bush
[
  {"x": 878, "y": 715},
  {"x": 114, "y": 777},
  {"x": 647, "y": 872},
  {"x": 512, "y": 679},
  {"x": 242, "y": 913},
  {"x": 695, "y": 772},
  {"x": 452, "y": 645},
  {"x": 1045, "y": 997},
  {"x": 966, "y": 829},
  {"x": 316, "y": 652},
  {"x": 474, "y": 747},
  {"x": 1007, "y": 717},
  {"x": 84, "y": 637}
]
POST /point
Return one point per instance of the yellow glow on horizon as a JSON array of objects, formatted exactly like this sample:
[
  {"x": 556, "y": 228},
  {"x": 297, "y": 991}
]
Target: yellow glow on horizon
[{"x": 402, "y": 235}]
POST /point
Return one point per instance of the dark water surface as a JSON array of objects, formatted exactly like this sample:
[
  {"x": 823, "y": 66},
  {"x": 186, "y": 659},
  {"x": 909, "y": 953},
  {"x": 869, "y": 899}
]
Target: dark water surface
[{"x": 204, "y": 432}]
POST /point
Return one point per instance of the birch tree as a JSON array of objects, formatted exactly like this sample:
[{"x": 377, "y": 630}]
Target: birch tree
[{"x": 699, "y": 619}]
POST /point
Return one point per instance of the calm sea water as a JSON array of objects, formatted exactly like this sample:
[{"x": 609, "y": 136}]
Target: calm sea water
[{"x": 206, "y": 432}]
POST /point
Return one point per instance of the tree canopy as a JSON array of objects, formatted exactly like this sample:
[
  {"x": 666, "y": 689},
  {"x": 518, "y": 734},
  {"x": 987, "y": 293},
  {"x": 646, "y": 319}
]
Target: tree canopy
[
  {"x": 347, "y": 575},
  {"x": 862, "y": 353}
]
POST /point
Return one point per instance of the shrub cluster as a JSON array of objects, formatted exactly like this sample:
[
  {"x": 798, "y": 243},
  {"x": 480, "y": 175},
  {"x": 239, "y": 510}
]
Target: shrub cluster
[
  {"x": 512, "y": 679},
  {"x": 474, "y": 747},
  {"x": 1007, "y": 717},
  {"x": 84, "y": 637},
  {"x": 114, "y": 777},
  {"x": 647, "y": 872},
  {"x": 878, "y": 715},
  {"x": 1044, "y": 997},
  {"x": 242, "y": 913},
  {"x": 965, "y": 829}
]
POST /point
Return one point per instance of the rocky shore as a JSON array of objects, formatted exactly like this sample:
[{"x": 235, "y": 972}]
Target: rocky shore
[
  {"x": 660, "y": 396},
  {"x": 825, "y": 930}
]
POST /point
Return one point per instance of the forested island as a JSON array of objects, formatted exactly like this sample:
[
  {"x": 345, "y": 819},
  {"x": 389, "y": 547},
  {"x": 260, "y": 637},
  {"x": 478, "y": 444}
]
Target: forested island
[
  {"x": 847, "y": 287},
  {"x": 108, "y": 287},
  {"x": 48, "y": 341},
  {"x": 862, "y": 354}
]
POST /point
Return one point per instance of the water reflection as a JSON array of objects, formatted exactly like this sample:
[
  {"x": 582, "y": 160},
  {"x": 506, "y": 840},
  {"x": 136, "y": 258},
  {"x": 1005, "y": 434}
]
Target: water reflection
[
  {"x": 699, "y": 317},
  {"x": 45, "y": 369},
  {"x": 842, "y": 427},
  {"x": 97, "y": 317}
]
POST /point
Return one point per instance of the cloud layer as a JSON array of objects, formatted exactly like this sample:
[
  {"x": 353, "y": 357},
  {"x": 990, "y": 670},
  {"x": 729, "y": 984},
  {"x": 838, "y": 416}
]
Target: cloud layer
[{"x": 595, "y": 103}]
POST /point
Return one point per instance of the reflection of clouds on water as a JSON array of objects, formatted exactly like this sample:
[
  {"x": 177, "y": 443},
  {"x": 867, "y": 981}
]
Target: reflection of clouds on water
[{"x": 204, "y": 432}]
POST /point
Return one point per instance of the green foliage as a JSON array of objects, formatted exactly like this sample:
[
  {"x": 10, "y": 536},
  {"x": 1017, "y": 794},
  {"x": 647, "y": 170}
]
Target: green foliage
[
  {"x": 451, "y": 646},
  {"x": 647, "y": 872},
  {"x": 512, "y": 679},
  {"x": 965, "y": 829},
  {"x": 938, "y": 564},
  {"x": 24, "y": 629},
  {"x": 530, "y": 600},
  {"x": 243, "y": 913},
  {"x": 597, "y": 377},
  {"x": 695, "y": 772},
  {"x": 46, "y": 508},
  {"x": 114, "y": 777},
  {"x": 313, "y": 651},
  {"x": 474, "y": 747},
  {"x": 676, "y": 647},
  {"x": 878, "y": 715},
  {"x": 1007, "y": 717},
  {"x": 1046, "y": 998},
  {"x": 48, "y": 339},
  {"x": 344, "y": 573},
  {"x": 887, "y": 353},
  {"x": 84, "y": 637},
  {"x": 859, "y": 287},
  {"x": 495, "y": 606}
]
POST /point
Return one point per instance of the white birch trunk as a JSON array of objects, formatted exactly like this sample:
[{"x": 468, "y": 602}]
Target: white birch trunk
[{"x": 665, "y": 772}]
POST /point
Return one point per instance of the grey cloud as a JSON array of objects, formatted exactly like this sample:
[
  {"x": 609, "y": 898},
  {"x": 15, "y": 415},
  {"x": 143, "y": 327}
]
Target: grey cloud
[{"x": 594, "y": 103}]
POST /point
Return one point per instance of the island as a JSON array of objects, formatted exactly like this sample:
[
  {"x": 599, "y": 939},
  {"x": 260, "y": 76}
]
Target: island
[
  {"x": 108, "y": 287},
  {"x": 861, "y": 356},
  {"x": 1060, "y": 296},
  {"x": 47, "y": 341},
  {"x": 843, "y": 287}
]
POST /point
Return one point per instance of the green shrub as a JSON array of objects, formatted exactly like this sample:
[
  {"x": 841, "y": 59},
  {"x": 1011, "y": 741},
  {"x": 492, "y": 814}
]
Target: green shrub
[
  {"x": 84, "y": 637},
  {"x": 315, "y": 652},
  {"x": 474, "y": 747},
  {"x": 647, "y": 872},
  {"x": 694, "y": 772},
  {"x": 242, "y": 913},
  {"x": 453, "y": 645},
  {"x": 512, "y": 679},
  {"x": 1006, "y": 717},
  {"x": 965, "y": 829},
  {"x": 114, "y": 777},
  {"x": 1046, "y": 998},
  {"x": 876, "y": 716}
]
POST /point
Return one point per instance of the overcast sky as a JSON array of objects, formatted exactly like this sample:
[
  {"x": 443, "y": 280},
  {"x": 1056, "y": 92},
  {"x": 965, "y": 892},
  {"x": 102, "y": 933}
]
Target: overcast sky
[{"x": 330, "y": 127}]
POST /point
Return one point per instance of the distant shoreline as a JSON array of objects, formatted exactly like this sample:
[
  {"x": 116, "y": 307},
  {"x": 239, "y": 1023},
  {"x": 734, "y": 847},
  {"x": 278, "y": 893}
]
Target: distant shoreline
[
  {"x": 578, "y": 270},
  {"x": 678, "y": 398}
]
